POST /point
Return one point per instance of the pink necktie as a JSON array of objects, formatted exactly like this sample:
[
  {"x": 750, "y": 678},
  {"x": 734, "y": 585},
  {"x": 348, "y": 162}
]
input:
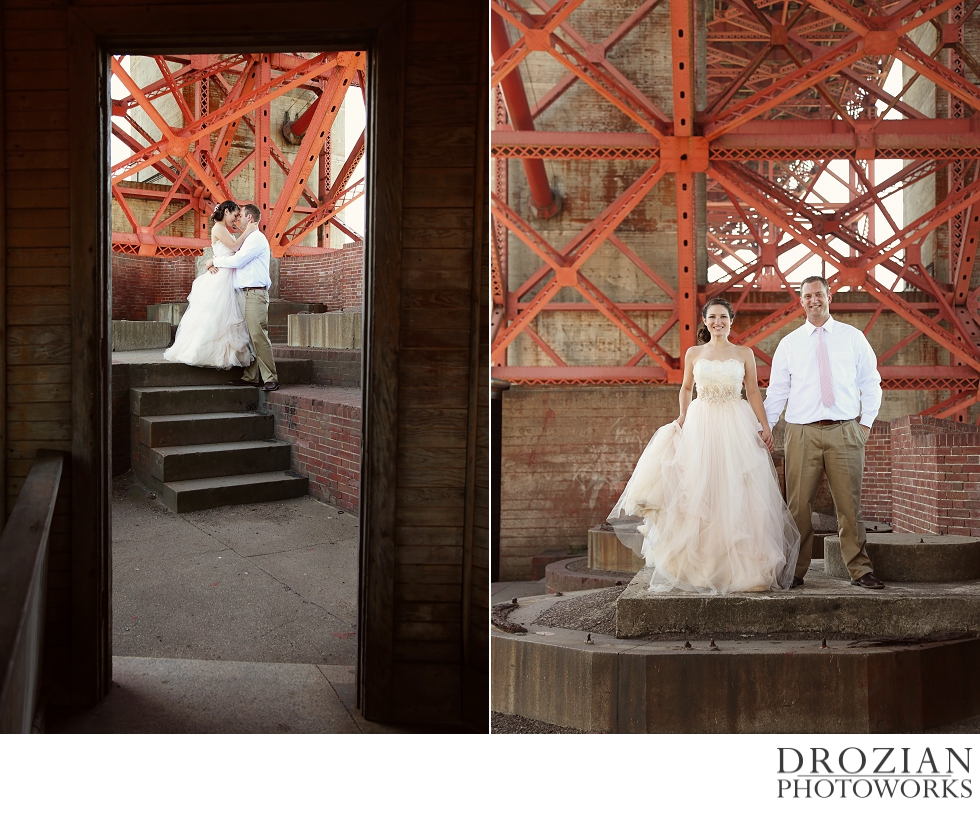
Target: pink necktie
[{"x": 826, "y": 380}]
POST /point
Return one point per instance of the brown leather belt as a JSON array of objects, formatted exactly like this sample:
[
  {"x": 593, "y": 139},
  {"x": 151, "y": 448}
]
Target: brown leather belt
[
  {"x": 253, "y": 288},
  {"x": 825, "y": 422}
]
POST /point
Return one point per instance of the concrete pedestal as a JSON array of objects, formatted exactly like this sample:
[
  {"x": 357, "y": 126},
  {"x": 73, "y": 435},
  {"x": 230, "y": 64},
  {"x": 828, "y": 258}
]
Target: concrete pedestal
[
  {"x": 335, "y": 329},
  {"x": 608, "y": 554},
  {"x": 910, "y": 558},
  {"x": 824, "y": 607},
  {"x": 572, "y": 574},
  {"x": 611, "y": 686},
  {"x": 166, "y": 312},
  {"x": 139, "y": 335}
]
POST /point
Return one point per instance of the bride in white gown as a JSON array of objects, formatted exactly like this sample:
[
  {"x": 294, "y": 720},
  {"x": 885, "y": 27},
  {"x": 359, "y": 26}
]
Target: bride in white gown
[
  {"x": 703, "y": 506},
  {"x": 212, "y": 333}
]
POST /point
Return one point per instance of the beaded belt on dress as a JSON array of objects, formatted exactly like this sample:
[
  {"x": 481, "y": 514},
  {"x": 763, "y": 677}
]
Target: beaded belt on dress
[{"x": 825, "y": 422}]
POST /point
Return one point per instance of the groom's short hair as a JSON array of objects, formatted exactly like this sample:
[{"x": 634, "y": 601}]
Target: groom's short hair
[
  {"x": 821, "y": 280},
  {"x": 251, "y": 209}
]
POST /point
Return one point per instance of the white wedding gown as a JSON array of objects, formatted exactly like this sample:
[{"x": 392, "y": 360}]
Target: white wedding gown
[
  {"x": 703, "y": 506},
  {"x": 212, "y": 333}
]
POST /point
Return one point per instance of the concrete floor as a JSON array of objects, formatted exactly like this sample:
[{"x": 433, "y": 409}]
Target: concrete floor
[
  {"x": 271, "y": 582},
  {"x": 232, "y": 620},
  {"x": 506, "y": 591}
]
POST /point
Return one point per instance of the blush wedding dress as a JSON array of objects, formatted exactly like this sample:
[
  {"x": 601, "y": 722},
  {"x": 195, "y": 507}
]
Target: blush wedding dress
[
  {"x": 212, "y": 333},
  {"x": 703, "y": 506}
]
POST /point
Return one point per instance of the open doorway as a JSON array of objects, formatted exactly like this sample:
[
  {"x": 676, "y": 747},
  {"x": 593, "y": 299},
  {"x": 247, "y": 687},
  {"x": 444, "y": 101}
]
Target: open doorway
[
  {"x": 421, "y": 585},
  {"x": 234, "y": 510}
]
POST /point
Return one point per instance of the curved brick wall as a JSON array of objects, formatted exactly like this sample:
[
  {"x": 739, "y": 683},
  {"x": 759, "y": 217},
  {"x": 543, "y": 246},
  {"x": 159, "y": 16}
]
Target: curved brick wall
[
  {"x": 141, "y": 281},
  {"x": 334, "y": 279}
]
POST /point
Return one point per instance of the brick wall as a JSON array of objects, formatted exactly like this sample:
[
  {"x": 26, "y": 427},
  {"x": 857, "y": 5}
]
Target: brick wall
[
  {"x": 141, "y": 281},
  {"x": 566, "y": 455},
  {"x": 324, "y": 427},
  {"x": 334, "y": 279},
  {"x": 876, "y": 488},
  {"x": 935, "y": 476}
]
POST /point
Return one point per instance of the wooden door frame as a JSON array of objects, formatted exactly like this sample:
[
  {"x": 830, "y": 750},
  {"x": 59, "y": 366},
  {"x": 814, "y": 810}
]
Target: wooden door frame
[{"x": 96, "y": 32}]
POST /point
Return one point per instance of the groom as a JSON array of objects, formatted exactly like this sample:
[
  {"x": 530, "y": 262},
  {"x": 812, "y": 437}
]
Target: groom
[
  {"x": 827, "y": 373},
  {"x": 251, "y": 265}
]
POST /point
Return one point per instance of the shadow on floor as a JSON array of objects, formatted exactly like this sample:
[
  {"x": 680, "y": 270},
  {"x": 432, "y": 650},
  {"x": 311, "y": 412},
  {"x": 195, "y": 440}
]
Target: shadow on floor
[
  {"x": 154, "y": 695},
  {"x": 232, "y": 620}
]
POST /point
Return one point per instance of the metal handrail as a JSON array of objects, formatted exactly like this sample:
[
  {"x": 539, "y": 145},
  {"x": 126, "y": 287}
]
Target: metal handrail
[{"x": 23, "y": 590}]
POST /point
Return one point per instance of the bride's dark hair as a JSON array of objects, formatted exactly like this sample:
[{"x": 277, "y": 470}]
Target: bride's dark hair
[
  {"x": 223, "y": 209},
  {"x": 703, "y": 334}
]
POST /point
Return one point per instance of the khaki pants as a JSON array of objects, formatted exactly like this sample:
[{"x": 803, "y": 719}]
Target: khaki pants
[
  {"x": 255, "y": 307},
  {"x": 838, "y": 450}
]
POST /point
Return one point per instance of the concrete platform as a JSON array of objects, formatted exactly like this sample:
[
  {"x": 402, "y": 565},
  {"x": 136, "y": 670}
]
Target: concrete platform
[
  {"x": 595, "y": 682},
  {"x": 824, "y": 607},
  {"x": 913, "y": 558},
  {"x": 503, "y": 592}
]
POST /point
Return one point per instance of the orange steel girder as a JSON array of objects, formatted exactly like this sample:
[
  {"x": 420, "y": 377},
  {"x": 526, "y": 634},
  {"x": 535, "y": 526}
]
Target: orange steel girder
[
  {"x": 193, "y": 157},
  {"x": 791, "y": 87}
]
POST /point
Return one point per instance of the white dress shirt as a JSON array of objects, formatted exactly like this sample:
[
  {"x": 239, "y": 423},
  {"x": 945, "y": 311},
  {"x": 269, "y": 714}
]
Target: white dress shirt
[
  {"x": 250, "y": 262},
  {"x": 794, "y": 380}
]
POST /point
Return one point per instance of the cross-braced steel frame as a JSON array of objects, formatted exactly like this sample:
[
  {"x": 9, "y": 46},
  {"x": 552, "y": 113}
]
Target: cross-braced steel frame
[
  {"x": 216, "y": 96},
  {"x": 794, "y": 91}
]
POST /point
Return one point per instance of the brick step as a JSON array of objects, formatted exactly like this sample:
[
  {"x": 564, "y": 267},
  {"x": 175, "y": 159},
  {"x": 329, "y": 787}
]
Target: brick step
[
  {"x": 205, "y": 493},
  {"x": 161, "y": 374},
  {"x": 172, "y": 401},
  {"x": 203, "y": 428},
  {"x": 215, "y": 460}
]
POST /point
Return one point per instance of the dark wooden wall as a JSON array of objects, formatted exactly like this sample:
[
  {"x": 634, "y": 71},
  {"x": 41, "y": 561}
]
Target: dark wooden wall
[{"x": 423, "y": 645}]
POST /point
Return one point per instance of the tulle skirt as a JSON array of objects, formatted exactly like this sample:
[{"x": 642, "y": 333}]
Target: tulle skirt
[
  {"x": 703, "y": 506},
  {"x": 212, "y": 333}
]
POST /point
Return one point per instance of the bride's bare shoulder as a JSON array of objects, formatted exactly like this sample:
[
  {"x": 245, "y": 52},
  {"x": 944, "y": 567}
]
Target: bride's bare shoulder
[
  {"x": 744, "y": 353},
  {"x": 694, "y": 353},
  {"x": 220, "y": 234}
]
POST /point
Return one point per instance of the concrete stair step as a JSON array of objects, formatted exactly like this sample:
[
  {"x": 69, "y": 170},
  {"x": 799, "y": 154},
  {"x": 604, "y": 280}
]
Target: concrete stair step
[
  {"x": 216, "y": 460},
  {"x": 160, "y": 374},
  {"x": 173, "y": 400},
  {"x": 251, "y": 488},
  {"x": 203, "y": 428}
]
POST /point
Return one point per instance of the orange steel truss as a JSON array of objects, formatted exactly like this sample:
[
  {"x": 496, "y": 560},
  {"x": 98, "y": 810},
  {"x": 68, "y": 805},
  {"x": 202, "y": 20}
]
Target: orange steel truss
[
  {"x": 791, "y": 87},
  {"x": 216, "y": 95}
]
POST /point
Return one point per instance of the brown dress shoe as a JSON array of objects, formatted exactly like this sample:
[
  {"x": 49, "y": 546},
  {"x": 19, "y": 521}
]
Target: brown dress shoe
[
  {"x": 797, "y": 583},
  {"x": 271, "y": 386},
  {"x": 868, "y": 581}
]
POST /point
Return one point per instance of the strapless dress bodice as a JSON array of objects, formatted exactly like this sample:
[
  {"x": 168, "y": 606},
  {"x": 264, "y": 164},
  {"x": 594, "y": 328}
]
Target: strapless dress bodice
[
  {"x": 719, "y": 380},
  {"x": 220, "y": 250}
]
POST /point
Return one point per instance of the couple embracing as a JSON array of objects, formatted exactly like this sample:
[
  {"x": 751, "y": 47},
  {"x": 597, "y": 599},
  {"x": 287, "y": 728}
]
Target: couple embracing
[
  {"x": 227, "y": 320},
  {"x": 712, "y": 518}
]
